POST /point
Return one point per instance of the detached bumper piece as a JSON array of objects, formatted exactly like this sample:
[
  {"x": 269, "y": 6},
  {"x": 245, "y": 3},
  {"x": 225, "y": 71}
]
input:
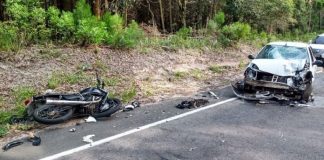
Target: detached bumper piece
[{"x": 239, "y": 91}]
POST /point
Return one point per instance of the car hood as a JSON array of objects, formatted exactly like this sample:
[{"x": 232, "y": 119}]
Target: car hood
[{"x": 279, "y": 67}]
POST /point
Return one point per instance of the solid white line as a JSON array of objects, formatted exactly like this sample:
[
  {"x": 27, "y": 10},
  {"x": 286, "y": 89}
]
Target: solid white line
[{"x": 108, "y": 139}]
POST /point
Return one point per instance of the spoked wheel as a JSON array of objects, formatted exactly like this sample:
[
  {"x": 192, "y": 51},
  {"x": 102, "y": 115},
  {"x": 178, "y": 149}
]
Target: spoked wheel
[
  {"x": 111, "y": 106},
  {"x": 49, "y": 114}
]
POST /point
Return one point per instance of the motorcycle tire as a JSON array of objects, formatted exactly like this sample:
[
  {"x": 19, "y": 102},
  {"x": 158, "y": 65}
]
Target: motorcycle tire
[
  {"x": 46, "y": 119},
  {"x": 111, "y": 110}
]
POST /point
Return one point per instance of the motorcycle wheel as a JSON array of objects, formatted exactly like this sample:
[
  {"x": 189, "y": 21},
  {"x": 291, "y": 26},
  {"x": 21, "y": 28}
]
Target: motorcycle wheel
[
  {"x": 115, "y": 105},
  {"x": 49, "y": 114}
]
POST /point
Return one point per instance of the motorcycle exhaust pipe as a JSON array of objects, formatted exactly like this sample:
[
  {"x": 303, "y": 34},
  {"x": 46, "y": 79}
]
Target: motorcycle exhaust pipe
[{"x": 65, "y": 102}]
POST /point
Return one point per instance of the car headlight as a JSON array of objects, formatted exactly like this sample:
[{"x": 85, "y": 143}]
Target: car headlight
[
  {"x": 290, "y": 82},
  {"x": 254, "y": 66},
  {"x": 250, "y": 73}
]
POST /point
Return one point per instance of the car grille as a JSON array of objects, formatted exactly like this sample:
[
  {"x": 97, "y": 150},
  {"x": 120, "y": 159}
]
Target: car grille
[{"x": 270, "y": 77}]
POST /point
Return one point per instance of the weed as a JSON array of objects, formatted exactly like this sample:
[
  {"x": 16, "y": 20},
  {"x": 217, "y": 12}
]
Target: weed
[
  {"x": 113, "y": 81},
  {"x": 57, "y": 79},
  {"x": 3, "y": 130},
  {"x": 216, "y": 69},
  {"x": 21, "y": 94},
  {"x": 242, "y": 64},
  {"x": 197, "y": 74},
  {"x": 100, "y": 65},
  {"x": 49, "y": 53},
  {"x": 129, "y": 94},
  {"x": 180, "y": 75}
]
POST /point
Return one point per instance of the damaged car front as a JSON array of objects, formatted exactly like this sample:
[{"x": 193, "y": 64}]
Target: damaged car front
[{"x": 281, "y": 70}]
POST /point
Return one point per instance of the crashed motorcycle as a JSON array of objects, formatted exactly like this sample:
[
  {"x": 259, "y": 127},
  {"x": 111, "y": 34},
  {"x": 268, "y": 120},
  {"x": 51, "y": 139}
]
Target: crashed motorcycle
[{"x": 54, "y": 108}]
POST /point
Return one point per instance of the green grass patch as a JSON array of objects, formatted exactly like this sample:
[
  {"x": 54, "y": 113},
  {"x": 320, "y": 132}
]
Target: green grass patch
[
  {"x": 60, "y": 78},
  {"x": 113, "y": 81},
  {"x": 180, "y": 74},
  {"x": 197, "y": 74},
  {"x": 129, "y": 94},
  {"x": 4, "y": 130},
  {"x": 216, "y": 69}
]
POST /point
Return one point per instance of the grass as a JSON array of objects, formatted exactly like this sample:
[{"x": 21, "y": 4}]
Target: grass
[
  {"x": 180, "y": 75},
  {"x": 216, "y": 68},
  {"x": 20, "y": 94},
  {"x": 197, "y": 74},
  {"x": 59, "y": 78},
  {"x": 50, "y": 53},
  {"x": 128, "y": 94},
  {"x": 113, "y": 81}
]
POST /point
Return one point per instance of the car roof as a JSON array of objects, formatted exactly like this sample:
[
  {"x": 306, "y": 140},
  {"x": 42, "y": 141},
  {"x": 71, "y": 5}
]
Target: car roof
[
  {"x": 317, "y": 46},
  {"x": 293, "y": 44}
]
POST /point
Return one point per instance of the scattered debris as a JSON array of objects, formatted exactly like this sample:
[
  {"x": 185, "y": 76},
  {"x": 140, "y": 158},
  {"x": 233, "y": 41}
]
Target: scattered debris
[
  {"x": 88, "y": 139},
  {"x": 264, "y": 102},
  {"x": 193, "y": 148},
  {"x": 90, "y": 119},
  {"x": 192, "y": 103},
  {"x": 298, "y": 104},
  {"x": 213, "y": 95},
  {"x": 12, "y": 144},
  {"x": 131, "y": 106},
  {"x": 72, "y": 130},
  {"x": 36, "y": 141}
]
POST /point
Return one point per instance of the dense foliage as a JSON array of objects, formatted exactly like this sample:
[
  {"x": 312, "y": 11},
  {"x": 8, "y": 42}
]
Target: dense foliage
[{"x": 114, "y": 23}]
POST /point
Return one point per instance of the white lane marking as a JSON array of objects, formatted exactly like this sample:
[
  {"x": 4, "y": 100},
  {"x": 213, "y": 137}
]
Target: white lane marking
[{"x": 108, "y": 139}]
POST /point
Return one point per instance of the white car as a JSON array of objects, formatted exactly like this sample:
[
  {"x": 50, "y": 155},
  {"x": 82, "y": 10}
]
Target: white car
[{"x": 281, "y": 70}]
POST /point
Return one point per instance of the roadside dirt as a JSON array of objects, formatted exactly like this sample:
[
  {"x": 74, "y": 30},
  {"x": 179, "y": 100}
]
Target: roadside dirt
[{"x": 157, "y": 74}]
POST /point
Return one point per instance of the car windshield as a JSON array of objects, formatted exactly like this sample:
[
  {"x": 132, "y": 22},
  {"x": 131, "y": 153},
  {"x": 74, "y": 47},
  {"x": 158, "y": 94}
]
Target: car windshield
[{"x": 282, "y": 52}]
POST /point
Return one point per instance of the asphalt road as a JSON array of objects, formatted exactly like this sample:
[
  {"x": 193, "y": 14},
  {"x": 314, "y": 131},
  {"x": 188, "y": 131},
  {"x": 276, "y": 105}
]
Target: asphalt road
[{"x": 234, "y": 130}]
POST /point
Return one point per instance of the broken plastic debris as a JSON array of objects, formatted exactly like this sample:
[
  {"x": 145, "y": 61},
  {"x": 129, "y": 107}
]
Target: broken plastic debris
[
  {"x": 90, "y": 119},
  {"x": 131, "y": 106},
  {"x": 72, "y": 130},
  {"x": 192, "y": 103},
  {"x": 36, "y": 141},
  {"x": 12, "y": 144},
  {"x": 213, "y": 95},
  {"x": 88, "y": 138}
]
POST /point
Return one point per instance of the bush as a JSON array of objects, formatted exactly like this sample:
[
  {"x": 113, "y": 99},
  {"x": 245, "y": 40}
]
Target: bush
[
  {"x": 219, "y": 18},
  {"x": 131, "y": 36},
  {"x": 61, "y": 24},
  {"x": 237, "y": 31},
  {"x": 184, "y": 33},
  {"x": 8, "y": 40},
  {"x": 90, "y": 30},
  {"x": 82, "y": 11}
]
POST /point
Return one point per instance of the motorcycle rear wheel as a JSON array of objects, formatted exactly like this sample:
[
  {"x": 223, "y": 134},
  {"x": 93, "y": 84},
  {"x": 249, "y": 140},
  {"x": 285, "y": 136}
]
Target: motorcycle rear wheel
[
  {"x": 115, "y": 106},
  {"x": 49, "y": 114}
]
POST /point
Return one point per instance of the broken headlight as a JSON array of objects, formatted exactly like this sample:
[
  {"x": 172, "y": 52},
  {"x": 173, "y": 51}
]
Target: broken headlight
[{"x": 250, "y": 73}]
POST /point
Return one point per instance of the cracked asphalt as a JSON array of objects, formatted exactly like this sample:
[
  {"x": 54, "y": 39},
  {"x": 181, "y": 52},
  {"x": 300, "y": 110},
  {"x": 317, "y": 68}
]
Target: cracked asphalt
[{"x": 236, "y": 130}]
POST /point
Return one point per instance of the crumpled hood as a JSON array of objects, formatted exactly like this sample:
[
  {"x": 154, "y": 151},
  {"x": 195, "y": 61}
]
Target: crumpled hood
[{"x": 279, "y": 67}]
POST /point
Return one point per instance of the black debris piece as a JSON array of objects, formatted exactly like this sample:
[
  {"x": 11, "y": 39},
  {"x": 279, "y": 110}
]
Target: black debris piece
[
  {"x": 195, "y": 103},
  {"x": 36, "y": 141},
  {"x": 12, "y": 144}
]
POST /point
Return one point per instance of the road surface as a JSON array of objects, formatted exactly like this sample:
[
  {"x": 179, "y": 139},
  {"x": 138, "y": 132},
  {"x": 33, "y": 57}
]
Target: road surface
[{"x": 228, "y": 128}]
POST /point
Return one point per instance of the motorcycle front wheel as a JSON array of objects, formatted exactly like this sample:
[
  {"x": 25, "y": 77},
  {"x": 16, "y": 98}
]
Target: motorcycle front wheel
[
  {"x": 49, "y": 114},
  {"x": 114, "y": 106}
]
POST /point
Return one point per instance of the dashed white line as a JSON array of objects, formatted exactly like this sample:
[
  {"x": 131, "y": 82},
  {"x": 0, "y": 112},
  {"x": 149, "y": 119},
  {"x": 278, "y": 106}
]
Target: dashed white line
[{"x": 108, "y": 139}]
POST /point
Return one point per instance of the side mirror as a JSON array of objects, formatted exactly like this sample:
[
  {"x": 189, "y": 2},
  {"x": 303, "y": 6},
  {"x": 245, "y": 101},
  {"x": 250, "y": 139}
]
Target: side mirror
[
  {"x": 251, "y": 57},
  {"x": 318, "y": 63}
]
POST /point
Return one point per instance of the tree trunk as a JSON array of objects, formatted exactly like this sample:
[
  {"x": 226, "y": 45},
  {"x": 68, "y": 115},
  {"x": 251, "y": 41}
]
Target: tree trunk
[
  {"x": 162, "y": 15},
  {"x": 97, "y": 8},
  {"x": 152, "y": 14},
  {"x": 106, "y": 5},
  {"x": 183, "y": 10},
  {"x": 170, "y": 16},
  {"x": 126, "y": 13},
  {"x": 1, "y": 11}
]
